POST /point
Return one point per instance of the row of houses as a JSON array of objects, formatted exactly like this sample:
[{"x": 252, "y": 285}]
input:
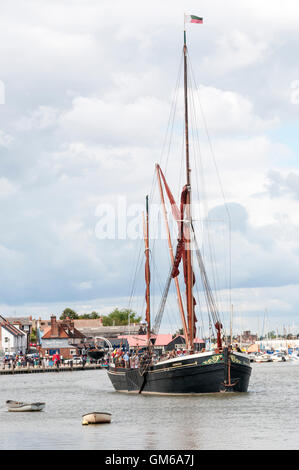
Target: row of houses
[
  {"x": 16, "y": 333},
  {"x": 72, "y": 337},
  {"x": 52, "y": 336},
  {"x": 67, "y": 338}
]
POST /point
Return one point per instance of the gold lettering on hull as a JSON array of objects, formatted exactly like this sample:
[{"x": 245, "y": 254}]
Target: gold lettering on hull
[{"x": 213, "y": 360}]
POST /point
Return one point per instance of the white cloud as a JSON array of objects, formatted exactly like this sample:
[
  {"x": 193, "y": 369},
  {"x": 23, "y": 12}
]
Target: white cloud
[
  {"x": 230, "y": 112},
  {"x": 40, "y": 119},
  {"x": 134, "y": 122},
  {"x": 236, "y": 50}
]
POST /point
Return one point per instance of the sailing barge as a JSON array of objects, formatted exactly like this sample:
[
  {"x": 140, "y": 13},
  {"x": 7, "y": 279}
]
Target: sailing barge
[
  {"x": 206, "y": 372},
  {"x": 219, "y": 370}
]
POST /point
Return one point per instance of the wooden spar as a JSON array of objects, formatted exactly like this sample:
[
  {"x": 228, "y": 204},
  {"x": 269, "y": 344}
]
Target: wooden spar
[
  {"x": 147, "y": 270},
  {"x": 187, "y": 230},
  {"x": 179, "y": 296}
]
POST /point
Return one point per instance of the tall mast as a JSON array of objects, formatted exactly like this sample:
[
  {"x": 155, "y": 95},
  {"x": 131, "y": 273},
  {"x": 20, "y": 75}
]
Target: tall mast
[
  {"x": 187, "y": 231},
  {"x": 188, "y": 170},
  {"x": 147, "y": 271}
]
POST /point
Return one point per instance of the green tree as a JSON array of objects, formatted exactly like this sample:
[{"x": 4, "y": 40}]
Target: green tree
[
  {"x": 89, "y": 316},
  {"x": 120, "y": 317},
  {"x": 33, "y": 336},
  {"x": 271, "y": 335},
  {"x": 68, "y": 312},
  {"x": 94, "y": 315},
  {"x": 84, "y": 316},
  {"x": 179, "y": 332}
]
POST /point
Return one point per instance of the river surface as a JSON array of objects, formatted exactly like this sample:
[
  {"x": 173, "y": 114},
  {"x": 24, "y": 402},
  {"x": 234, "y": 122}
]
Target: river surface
[{"x": 267, "y": 417}]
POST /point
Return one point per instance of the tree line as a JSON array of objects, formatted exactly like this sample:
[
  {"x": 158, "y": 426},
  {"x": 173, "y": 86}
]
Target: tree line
[{"x": 117, "y": 317}]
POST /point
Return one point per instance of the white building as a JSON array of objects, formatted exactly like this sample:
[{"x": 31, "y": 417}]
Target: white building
[{"x": 12, "y": 338}]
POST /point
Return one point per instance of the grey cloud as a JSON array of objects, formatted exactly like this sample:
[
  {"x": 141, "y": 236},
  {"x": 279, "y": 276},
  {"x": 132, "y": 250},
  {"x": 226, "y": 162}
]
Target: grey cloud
[
  {"x": 279, "y": 184},
  {"x": 232, "y": 213},
  {"x": 261, "y": 256}
]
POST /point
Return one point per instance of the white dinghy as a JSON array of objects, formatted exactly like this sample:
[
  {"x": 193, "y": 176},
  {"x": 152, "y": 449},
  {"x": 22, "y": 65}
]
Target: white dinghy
[
  {"x": 97, "y": 417},
  {"x": 21, "y": 406}
]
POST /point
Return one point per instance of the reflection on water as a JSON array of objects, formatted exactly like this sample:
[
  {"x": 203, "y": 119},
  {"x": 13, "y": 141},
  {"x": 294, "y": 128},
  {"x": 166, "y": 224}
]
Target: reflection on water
[{"x": 265, "y": 417}]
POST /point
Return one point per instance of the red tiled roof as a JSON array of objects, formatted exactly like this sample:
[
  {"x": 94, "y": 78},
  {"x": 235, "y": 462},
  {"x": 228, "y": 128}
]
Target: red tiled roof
[
  {"x": 63, "y": 332},
  {"x": 141, "y": 340},
  {"x": 163, "y": 340},
  {"x": 10, "y": 328},
  {"x": 137, "y": 341},
  {"x": 199, "y": 341}
]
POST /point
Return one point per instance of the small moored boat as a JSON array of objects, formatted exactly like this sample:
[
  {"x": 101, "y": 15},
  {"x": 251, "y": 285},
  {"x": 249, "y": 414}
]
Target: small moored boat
[
  {"x": 96, "y": 417},
  {"x": 279, "y": 357},
  {"x": 263, "y": 358},
  {"x": 21, "y": 406}
]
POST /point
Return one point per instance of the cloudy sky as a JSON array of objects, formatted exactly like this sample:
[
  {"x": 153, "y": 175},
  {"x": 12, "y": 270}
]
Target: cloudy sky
[{"x": 86, "y": 91}]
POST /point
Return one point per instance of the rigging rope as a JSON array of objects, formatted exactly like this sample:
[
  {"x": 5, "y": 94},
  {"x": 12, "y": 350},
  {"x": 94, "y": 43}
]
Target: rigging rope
[
  {"x": 211, "y": 304},
  {"x": 160, "y": 312},
  {"x": 219, "y": 179}
]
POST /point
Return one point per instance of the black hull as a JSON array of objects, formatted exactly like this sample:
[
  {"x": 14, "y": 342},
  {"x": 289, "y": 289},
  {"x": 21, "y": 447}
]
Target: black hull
[{"x": 199, "y": 373}]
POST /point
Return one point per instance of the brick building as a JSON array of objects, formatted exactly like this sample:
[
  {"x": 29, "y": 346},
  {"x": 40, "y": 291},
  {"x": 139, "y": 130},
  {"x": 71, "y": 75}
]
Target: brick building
[
  {"x": 62, "y": 338},
  {"x": 248, "y": 337}
]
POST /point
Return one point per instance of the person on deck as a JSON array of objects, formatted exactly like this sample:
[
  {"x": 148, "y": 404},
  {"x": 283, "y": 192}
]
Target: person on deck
[{"x": 126, "y": 358}]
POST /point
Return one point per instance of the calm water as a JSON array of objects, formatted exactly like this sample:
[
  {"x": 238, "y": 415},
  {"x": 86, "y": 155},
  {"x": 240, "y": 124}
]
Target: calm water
[{"x": 266, "y": 417}]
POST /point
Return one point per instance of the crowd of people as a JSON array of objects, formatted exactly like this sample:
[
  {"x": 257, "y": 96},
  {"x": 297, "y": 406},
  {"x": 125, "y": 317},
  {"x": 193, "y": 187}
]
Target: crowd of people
[
  {"x": 21, "y": 360},
  {"x": 36, "y": 360},
  {"x": 141, "y": 357},
  {"x": 135, "y": 359}
]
